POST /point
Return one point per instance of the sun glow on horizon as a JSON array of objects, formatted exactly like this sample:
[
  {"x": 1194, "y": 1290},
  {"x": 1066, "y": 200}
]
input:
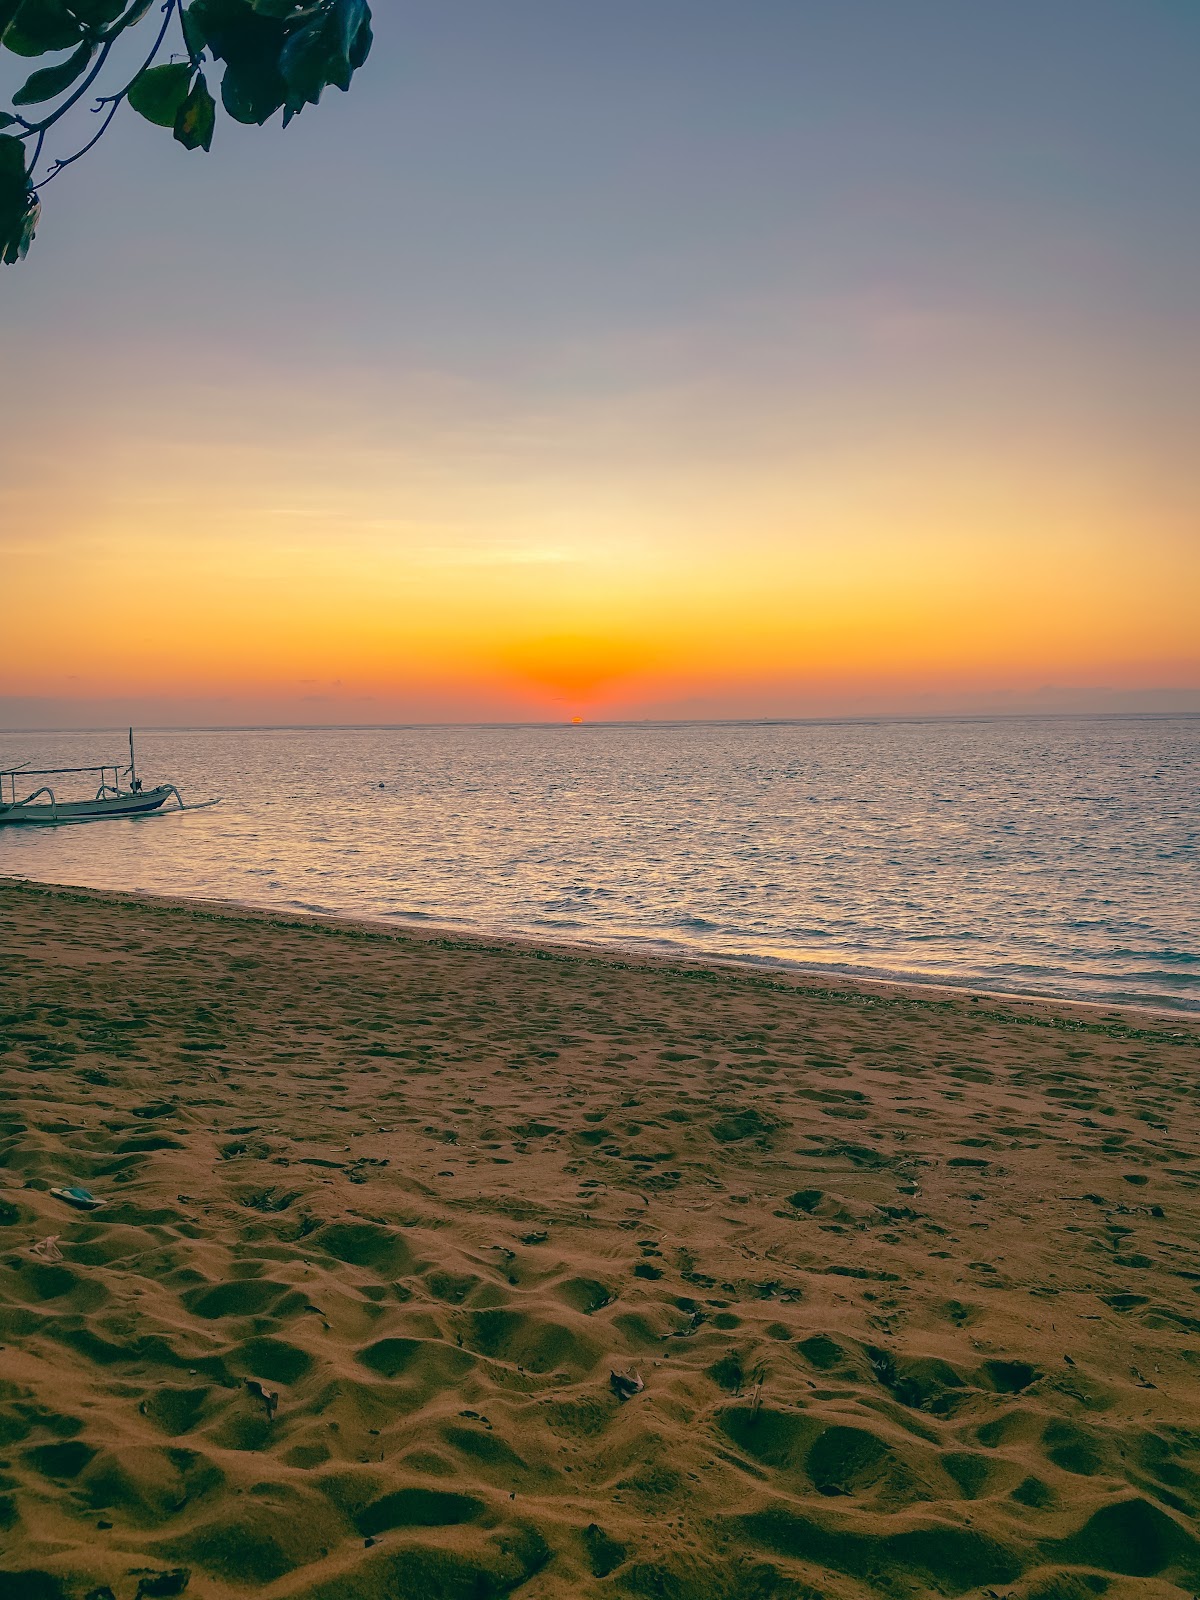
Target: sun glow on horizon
[{"x": 397, "y": 578}]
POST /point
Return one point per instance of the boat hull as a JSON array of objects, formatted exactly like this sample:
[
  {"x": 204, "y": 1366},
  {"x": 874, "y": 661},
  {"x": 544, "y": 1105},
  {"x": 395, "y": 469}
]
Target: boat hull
[{"x": 46, "y": 813}]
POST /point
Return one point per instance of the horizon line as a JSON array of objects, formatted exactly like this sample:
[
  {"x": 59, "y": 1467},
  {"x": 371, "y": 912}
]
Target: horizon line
[{"x": 570, "y": 723}]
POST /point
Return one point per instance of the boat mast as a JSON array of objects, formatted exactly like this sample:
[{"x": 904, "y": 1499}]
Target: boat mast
[{"x": 132, "y": 765}]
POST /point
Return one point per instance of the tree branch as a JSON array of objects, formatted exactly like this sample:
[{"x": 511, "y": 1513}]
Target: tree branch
[{"x": 112, "y": 101}]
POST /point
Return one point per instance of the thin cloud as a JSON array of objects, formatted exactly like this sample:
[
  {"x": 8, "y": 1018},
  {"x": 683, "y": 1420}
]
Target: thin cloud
[{"x": 533, "y": 557}]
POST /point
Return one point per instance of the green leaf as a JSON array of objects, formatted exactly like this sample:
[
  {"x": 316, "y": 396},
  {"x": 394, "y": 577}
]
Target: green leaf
[
  {"x": 12, "y": 165},
  {"x": 97, "y": 13},
  {"x": 232, "y": 30},
  {"x": 8, "y": 10},
  {"x": 129, "y": 18},
  {"x": 51, "y": 81},
  {"x": 197, "y": 117},
  {"x": 325, "y": 51},
  {"x": 19, "y": 205},
  {"x": 7, "y": 120},
  {"x": 292, "y": 11},
  {"x": 253, "y": 91},
  {"x": 193, "y": 31},
  {"x": 41, "y": 26},
  {"x": 158, "y": 94},
  {"x": 17, "y": 248},
  {"x": 252, "y": 88}
]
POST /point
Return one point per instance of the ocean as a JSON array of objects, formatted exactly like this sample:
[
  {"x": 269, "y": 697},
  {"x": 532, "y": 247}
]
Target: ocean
[{"x": 1050, "y": 856}]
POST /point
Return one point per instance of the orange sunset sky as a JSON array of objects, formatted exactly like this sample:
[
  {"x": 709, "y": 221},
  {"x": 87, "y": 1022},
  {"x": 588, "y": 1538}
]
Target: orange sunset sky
[{"x": 841, "y": 377}]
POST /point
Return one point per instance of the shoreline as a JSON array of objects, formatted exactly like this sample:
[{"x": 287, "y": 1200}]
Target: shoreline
[{"x": 916, "y": 990}]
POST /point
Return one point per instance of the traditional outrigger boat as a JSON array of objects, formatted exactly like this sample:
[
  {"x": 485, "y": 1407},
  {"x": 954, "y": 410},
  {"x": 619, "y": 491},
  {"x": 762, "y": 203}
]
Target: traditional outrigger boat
[{"x": 43, "y": 807}]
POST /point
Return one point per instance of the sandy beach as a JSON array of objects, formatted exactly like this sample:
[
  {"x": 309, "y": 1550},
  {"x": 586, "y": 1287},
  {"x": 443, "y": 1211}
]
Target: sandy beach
[{"x": 439, "y": 1268}]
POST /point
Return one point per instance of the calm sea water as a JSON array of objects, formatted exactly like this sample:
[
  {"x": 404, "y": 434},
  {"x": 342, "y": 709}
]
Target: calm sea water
[{"x": 1045, "y": 856}]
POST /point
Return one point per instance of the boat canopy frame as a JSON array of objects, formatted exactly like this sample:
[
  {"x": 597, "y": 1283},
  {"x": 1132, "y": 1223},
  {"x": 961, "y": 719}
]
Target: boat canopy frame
[
  {"x": 114, "y": 788},
  {"x": 12, "y": 774}
]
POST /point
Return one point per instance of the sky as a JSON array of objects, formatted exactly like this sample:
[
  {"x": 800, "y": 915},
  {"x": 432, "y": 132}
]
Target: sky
[{"x": 683, "y": 359}]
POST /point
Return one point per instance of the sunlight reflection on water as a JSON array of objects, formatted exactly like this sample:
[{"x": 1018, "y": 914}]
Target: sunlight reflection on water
[{"x": 1054, "y": 856}]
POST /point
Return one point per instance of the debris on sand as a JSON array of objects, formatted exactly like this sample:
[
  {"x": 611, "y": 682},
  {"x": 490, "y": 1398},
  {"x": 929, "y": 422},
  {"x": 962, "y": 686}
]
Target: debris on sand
[
  {"x": 269, "y": 1397},
  {"x": 82, "y": 1199},
  {"x": 626, "y": 1384},
  {"x": 162, "y": 1585}
]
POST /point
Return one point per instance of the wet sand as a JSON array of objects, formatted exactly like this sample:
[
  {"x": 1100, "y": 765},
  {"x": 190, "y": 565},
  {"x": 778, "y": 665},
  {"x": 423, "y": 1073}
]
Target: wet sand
[{"x": 910, "y": 1279}]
